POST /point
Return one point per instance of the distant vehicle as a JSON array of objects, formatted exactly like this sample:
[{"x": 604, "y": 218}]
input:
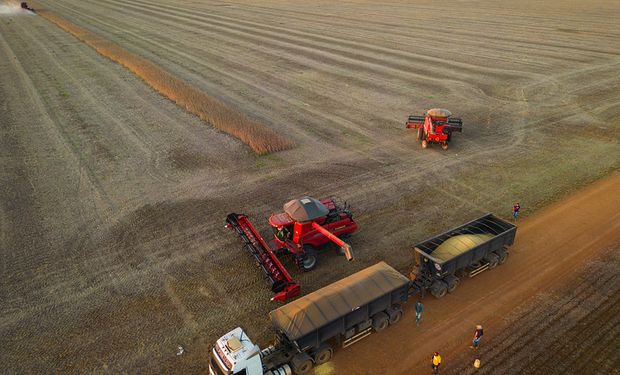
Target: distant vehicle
[{"x": 436, "y": 126}]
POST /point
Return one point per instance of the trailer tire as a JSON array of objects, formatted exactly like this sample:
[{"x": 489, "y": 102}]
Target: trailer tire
[
  {"x": 395, "y": 315},
  {"x": 309, "y": 259},
  {"x": 453, "y": 282},
  {"x": 502, "y": 255},
  {"x": 380, "y": 321},
  {"x": 493, "y": 260},
  {"x": 323, "y": 354},
  {"x": 439, "y": 289},
  {"x": 301, "y": 363}
]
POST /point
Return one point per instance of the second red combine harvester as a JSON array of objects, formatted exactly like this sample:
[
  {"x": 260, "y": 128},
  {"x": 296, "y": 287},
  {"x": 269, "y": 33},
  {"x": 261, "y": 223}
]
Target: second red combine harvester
[
  {"x": 305, "y": 225},
  {"x": 436, "y": 126}
]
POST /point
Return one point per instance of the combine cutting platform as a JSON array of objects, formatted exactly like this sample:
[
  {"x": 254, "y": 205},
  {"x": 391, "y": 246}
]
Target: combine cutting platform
[{"x": 281, "y": 283}]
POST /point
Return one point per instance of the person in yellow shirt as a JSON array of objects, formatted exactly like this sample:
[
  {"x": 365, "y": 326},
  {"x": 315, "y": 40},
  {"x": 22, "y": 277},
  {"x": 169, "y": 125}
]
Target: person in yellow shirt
[{"x": 436, "y": 362}]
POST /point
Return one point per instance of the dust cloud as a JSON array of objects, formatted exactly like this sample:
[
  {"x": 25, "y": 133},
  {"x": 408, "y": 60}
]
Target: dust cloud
[{"x": 11, "y": 8}]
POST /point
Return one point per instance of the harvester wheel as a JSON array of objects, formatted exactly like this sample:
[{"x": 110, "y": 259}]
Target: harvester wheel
[
  {"x": 444, "y": 145},
  {"x": 301, "y": 363},
  {"x": 380, "y": 321},
  {"x": 493, "y": 260},
  {"x": 308, "y": 259},
  {"x": 439, "y": 289},
  {"x": 420, "y": 134},
  {"x": 424, "y": 143},
  {"x": 323, "y": 354}
]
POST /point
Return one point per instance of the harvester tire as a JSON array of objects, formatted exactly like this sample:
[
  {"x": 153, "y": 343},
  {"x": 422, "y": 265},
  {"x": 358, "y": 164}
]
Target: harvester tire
[
  {"x": 493, "y": 260},
  {"x": 439, "y": 289},
  {"x": 323, "y": 354},
  {"x": 420, "y": 134},
  {"x": 301, "y": 363},
  {"x": 309, "y": 258},
  {"x": 380, "y": 321},
  {"x": 502, "y": 256},
  {"x": 453, "y": 282},
  {"x": 424, "y": 143}
]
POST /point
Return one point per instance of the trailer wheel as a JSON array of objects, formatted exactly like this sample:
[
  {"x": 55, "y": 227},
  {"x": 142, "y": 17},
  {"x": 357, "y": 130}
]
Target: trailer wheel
[
  {"x": 395, "y": 315},
  {"x": 301, "y": 363},
  {"x": 380, "y": 321},
  {"x": 452, "y": 282},
  {"x": 439, "y": 289},
  {"x": 444, "y": 146},
  {"x": 323, "y": 354},
  {"x": 308, "y": 260},
  {"x": 424, "y": 143},
  {"x": 493, "y": 260},
  {"x": 502, "y": 255}
]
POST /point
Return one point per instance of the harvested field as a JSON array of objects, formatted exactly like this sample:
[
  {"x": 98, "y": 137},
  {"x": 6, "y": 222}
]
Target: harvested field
[
  {"x": 261, "y": 139},
  {"x": 113, "y": 198}
]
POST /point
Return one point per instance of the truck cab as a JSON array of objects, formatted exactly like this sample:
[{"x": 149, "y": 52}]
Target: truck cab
[{"x": 235, "y": 354}]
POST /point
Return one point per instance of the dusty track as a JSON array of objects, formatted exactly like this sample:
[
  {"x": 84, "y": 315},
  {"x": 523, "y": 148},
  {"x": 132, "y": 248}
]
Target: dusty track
[
  {"x": 550, "y": 248},
  {"x": 112, "y": 199}
]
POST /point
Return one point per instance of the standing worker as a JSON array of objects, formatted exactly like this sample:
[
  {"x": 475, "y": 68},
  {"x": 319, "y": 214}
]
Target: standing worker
[
  {"x": 419, "y": 309},
  {"x": 515, "y": 211},
  {"x": 477, "y": 337},
  {"x": 436, "y": 361}
]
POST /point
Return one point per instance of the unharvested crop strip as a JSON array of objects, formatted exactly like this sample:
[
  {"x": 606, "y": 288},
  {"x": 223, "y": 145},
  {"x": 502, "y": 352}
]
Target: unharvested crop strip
[{"x": 259, "y": 137}]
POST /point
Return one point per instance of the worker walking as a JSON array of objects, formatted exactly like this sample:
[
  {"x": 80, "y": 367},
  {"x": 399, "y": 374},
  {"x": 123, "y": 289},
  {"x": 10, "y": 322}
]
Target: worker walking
[
  {"x": 515, "y": 211},
  {"x": 477, "y": 337},
  {"x": 419, "y": 309},
  {"x": 436, "y": 362}
]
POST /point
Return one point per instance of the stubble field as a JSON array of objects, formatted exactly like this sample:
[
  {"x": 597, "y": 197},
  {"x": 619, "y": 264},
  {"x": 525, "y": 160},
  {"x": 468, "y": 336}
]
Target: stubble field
[{"x": 113, "y": 198}]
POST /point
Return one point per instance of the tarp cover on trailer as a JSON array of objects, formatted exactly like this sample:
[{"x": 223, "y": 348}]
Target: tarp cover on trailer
[
  {"x": 306, "y": 314},
  {"x": 305, "y": 209}
]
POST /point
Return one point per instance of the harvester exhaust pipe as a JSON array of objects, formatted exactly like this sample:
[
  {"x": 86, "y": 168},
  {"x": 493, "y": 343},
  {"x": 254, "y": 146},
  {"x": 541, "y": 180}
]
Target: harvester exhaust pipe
[{"x": 345, "y": 247}]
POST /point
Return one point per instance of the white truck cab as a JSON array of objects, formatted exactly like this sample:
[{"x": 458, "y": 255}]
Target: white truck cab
[{"x": 235, "y": 354}]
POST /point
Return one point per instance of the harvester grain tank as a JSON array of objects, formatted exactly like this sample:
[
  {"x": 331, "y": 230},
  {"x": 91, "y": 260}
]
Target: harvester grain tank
[
  {"x": 436, "y": 126},
  {"x": 339, "y": 314},
  {"x": 306, "y": 225}
]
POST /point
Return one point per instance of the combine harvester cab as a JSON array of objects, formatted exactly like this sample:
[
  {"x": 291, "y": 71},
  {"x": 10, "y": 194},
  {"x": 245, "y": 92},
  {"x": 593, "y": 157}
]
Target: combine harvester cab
[
  {"x": 436, "y": 126},
  {"x": 466, "y": 251}
]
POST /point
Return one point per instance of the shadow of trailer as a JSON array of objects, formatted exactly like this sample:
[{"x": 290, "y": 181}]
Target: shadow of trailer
[{"x": 466, "y": 251}]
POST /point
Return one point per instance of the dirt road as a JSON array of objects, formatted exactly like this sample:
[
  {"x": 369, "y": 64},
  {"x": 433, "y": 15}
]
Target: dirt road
[{"x": 549, "y": 249}]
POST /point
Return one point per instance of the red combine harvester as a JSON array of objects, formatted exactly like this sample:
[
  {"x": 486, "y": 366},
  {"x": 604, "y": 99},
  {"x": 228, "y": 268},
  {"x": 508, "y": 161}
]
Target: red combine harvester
[
  {"x": 305, "y": 225},
  {"x": 436, "y": 126}
]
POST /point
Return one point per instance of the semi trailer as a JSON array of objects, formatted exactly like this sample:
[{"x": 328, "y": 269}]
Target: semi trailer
[
  {"x": 466, "y": 251},
  {"x": 307, "y": 330}
]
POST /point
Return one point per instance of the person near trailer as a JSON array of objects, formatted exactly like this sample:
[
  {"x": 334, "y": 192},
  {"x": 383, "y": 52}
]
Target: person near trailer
[
  {"x": 419, "y": 309},
  {"x": 477, "y": 337},
  {"x": 435, "y": 362},
  {"x": 515, "y": 210}
]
